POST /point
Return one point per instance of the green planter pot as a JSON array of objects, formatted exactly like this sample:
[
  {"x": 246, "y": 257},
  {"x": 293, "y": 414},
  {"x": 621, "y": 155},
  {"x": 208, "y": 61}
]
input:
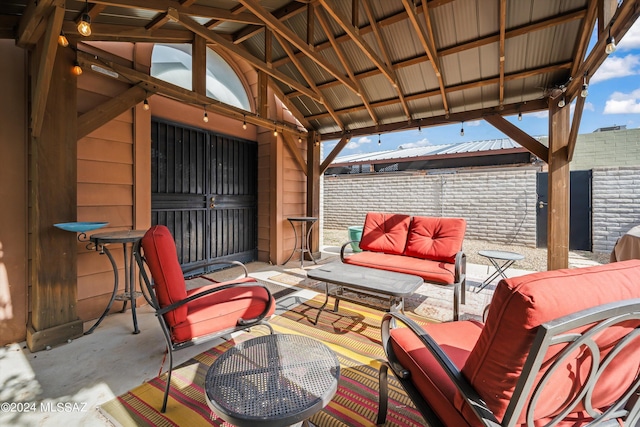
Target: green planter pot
[{"x": 355, "y": 233}]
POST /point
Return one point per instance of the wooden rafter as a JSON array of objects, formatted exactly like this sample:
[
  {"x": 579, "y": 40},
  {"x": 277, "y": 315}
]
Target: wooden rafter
[
  {"x": 456, "y": 88},
  {"x": 503, "y": 25},
  {"x": 521, "y": 137},
  {"x": 123, "y": 33},
  {"x": 161, "y": 87},
  {"x": 34, "y": 17},
  {"x": 427, "y": 45},
  {"x": 194, "y": 10},
  {"x": 287, "y": 103},
  {"x": 343, "y": 60},
  {"x": 45, "y": 70},
  {"x": 295, "y": 152},
  {"x": 586, "y": 29},
  {"x": 285, "y": 46},
  {"x": 575, "y": 126},
  {"x": 109, "y": 110},
  {"x": 277, "y": 26},
  {"x": 334, "y": 153},
  {"x": 213, "y": 37},
  {"x": 282, "y": 14},
  {"x": 387, "y": 58},
  {"x": 359, "y": 41}
]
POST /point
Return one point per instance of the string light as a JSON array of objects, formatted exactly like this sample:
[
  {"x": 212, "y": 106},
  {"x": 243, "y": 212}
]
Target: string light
[
  {"x": 585, "y": 87},
  {"x": 244, "y": 122},
  {"x": 561, "y": 103},
  {"x": 145, "y": 105},
  {"x": 77, "y": 69},
  {"x": 611, "y": 42},
  {"x": 519, "y": 116},
  {"x": 62, "y": 40},
  {"x": 462, "y": 130},
  {"x": 299, "y": 140},
  {"x": 84, "y": 26},
  {"x": 275, "y": 130},
  {"x": 205, "y": 118}
]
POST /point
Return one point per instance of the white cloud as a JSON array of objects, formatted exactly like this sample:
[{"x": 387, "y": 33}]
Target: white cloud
[
  {"x": 623, "y": 103},
  {"x": 616, "y": 66},
  {"x": 589, "y": 106},
  {"x": 355, "y": 143},
  {"x": 631, "y": 40},
  {"x": 473, "y": 123},
  {"x": 423, "y": 142}
]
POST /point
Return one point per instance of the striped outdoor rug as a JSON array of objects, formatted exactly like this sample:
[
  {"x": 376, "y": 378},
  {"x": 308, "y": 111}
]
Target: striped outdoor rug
[{"x": 353, "y": 333}]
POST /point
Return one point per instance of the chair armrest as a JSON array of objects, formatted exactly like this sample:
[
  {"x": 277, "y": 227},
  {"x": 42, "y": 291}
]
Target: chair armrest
[
  {"x": 210, "y": 263},
  {"x": 460, "y": 266},
  {"x": 344, "y": 246},
  {"x": 223, "y": 287},
  {"x": 472, "y": 398}
]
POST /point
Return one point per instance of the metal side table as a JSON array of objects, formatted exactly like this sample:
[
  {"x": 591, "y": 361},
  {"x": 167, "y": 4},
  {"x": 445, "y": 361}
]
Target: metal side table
[
  {"x": 269, "y": 382},
  {"x": 127, "y": 239},
  {"x": 494, "y": 256},
  {"x": 304, "y": 237}
]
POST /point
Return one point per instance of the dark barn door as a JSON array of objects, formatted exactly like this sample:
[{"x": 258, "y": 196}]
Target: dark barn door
[
  {"x": 579, "y": 210},
  {"x": 204, "y": 189}
]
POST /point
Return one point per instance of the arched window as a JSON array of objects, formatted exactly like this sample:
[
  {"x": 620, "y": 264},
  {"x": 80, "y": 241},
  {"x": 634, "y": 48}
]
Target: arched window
[{"x": 172, "y": 63}]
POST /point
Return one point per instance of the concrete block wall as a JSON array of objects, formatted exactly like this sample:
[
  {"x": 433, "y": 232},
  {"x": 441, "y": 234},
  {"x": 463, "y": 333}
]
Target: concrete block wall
[
  {"x": 616, "y": 204},
  {"x": 498, "y": 204}
]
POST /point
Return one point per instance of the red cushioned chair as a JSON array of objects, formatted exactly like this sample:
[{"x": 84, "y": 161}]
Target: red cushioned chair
[
  {"x": 558, "y": 348},
  {"x": 188, "y": 317}
]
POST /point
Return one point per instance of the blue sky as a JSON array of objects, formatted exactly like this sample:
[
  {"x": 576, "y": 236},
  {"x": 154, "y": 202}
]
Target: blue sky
[{"x": 614, "y": 99}]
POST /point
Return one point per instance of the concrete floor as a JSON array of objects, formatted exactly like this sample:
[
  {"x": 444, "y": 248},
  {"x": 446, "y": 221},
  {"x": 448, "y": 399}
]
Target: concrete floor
[{"x": 65, "y": 385}]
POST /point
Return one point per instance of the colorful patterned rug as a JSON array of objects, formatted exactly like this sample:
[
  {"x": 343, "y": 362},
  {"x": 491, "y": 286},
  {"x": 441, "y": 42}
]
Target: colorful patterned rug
[{"x": 353, "y": 333}]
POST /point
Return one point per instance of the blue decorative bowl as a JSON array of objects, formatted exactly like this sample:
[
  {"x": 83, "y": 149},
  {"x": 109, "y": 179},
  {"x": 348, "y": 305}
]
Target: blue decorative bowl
[{"x": 80, "y": 227}]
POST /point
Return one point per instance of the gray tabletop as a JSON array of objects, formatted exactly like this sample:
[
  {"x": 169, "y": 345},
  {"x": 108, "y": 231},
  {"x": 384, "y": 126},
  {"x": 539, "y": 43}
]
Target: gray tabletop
[
  {"x": 354, "y": 276},
  {"x": 502, "y": 255},
  {"x": 273, "y": 380}
]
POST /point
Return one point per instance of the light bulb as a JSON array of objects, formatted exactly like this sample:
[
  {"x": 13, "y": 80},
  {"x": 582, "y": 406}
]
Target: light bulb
[
  {"x": 379, "y": 142},
  {"x": 84, "y": 26},
  {"x": 585, "y": 91},
  {"x": 519, "y": 117},
  {"x": 205, "y": 118},
  {"x": 561, "y": 103},
  {"x": 244, "y": 125},
  {"x": 299, "y": 140},
  {"x": 77, "y": 69},
  {"x": 611, "y": 45},
  {"x": 62, "y": 40},
  {"x": 462, "y": 129},
  {"x": 275, "y": 132},
  {"x": 145, "y": 105}
]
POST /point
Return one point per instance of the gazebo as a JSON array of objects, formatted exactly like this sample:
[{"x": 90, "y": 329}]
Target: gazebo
[{"x": 85, "y": 109}]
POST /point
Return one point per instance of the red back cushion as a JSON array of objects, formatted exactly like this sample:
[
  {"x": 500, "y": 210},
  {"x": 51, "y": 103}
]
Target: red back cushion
[
  {"x": 523, "y": 303},
  {"x": 435, "y": 238},
  {"x": 383, "y": 232},
  {"x": 162, "y": 258}
]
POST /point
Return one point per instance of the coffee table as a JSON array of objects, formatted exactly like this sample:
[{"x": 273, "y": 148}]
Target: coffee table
[
  {"x": 272, "y": 381},
  {"x": 364, "y": 280}
]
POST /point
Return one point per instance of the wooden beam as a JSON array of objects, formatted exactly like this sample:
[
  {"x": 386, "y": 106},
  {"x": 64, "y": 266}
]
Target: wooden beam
[
  {"x": 277, "y": 26},
  {"x": 34, "y": 17},
  {"x": 313, "y": 190},
  {"x": 558, "y": 193},
  {"x": 519, "y": 136},
  {"x": 287, "y": 11},
  {"x": 109, "y": 110},
  {"x": 322, "y": 19},
  {"x": 45, "y": 70},
  {"x": 501, "y": 59},
  {"x": 290, "y": 105},
  {"x": 161, "y": 87},
  {"x": 126, "y": 33},
  {"x": 387, "y": 58},
  {"x": 359, "y": 41},
  {"x": 295, "y": 152},
  {"x": 202, "y": 31},
  {"x": 199, "y": 66},
  {"x": 575, "y": 126},
  {"x": 586, "y": 29},
  {"x": 428, "y": 45},
  {"x": 334, "y": 153}
]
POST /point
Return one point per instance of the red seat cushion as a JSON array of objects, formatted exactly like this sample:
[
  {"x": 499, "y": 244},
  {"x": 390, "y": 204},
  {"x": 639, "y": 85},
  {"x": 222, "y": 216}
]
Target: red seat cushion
[
  {"x": 430, "y": 271},
  {"x": 438, "y": 239},
  {"x": 162, "y": 258},
  {"x": 457, "y": 340},
  {"x": 383, "y": 232},
  {"x": 220, "y": 310},
  {"x": 520, "y": 305}
]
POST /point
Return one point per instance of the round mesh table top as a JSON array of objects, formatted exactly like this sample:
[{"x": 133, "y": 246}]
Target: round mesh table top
[{"x": 273, "y": 380}]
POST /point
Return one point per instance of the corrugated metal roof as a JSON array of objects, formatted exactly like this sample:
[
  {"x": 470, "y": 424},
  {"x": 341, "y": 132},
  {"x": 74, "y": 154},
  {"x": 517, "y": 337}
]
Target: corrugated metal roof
[{"x": 431, "y": 150}]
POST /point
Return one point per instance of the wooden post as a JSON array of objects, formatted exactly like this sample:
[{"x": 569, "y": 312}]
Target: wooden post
[
  {"x": 313, "y": 190},
  {"x": 558, "y": 219},
  {"x": 53, "y": 176}
]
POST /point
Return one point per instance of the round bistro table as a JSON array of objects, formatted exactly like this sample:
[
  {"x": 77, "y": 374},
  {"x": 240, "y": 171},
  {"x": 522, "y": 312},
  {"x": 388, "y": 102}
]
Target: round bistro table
[
  {"x": 272, "y": 381},
  {"x": 507, "y": 259},
  {"x": 304, "y": 237}
]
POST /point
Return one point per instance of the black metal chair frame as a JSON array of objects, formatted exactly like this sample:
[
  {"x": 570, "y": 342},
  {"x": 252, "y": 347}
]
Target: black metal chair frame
[
  {"x": 561, "y": 330},
  {"x": 242, "y": 324},
  {"x": 459, "y": 278}
]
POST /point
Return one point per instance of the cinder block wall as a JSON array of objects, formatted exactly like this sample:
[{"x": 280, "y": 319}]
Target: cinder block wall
[{"x": 498, "y": 204}]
